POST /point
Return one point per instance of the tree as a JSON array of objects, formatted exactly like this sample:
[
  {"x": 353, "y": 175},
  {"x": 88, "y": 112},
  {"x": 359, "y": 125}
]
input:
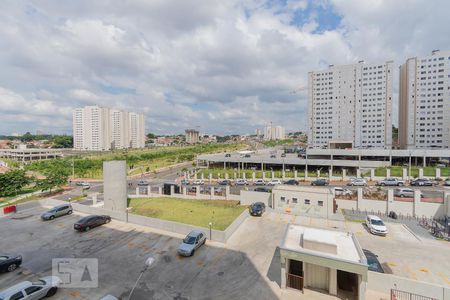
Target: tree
[
  {"x": 55, "y": 176},
  {"x": 27, "y": 137},
  {"x": 62, "y": 141},
  {"x": 12, "y": 182},
  {"x": 151, "y": 135}
]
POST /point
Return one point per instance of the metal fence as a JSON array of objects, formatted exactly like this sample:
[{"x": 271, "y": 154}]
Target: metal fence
[
  {"x": 294, "y": 281},
  {"x": 402, "y": 295}
]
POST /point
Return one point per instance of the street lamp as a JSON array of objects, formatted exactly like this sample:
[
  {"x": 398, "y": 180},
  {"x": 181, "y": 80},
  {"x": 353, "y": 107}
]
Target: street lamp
[
  {"x": 150, "y": 260},
  {"x": 210, "y": 230}
]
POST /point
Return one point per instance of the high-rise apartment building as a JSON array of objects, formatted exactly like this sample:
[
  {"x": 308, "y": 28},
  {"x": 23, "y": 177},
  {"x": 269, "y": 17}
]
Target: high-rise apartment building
[
  {"x": 101, "y": 128},
  {"x": 351, "y": 104},
  {"x": 424, "y": 102},
  {"x": 192, "y": 136},
  {"x": 272, "y": 132}
]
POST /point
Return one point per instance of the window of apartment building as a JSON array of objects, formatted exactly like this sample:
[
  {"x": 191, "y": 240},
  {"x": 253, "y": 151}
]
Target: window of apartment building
[
  {"x": 283, "y": 199},
  {"x": 307, "y": 201},
  {"x": 294, "y": 200},
  {"x": 320, "y": 203}
]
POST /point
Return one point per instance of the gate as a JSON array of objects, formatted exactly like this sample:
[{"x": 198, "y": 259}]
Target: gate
[
  {"x": 294, "y": 281},
  {"x": 402, "y": 295}
]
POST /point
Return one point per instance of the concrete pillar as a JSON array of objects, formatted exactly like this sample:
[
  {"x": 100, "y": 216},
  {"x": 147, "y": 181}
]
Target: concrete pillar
[
  {"x": 318, "y": 173},
  {"x": 420, "y": 172},
  {"x": 404, "y": 173},
  {"x": 94, "y": 199},
  {"x": 227, "y": 190},
  {"x": 283, "y": 175},
  {"x": 172, "y": 190},
  {"x": 388, "y": 173},
  {"x": 160, "y": 190},
  {"x": 283, "y": 272},
  {"x": 235, "y": 176},
  {"x": 306, "y": 173},
  {"x": 149, "y": 190},
  {"x": 295, "y": 174},
  {"x": 358, "y": 173},
  {"x": 184, "y": 188},
  {"x": 218, "y": 176},
  {"x": 197, "y": 191},
  {"x": 244, "y": 175},
  {"x": 195, "y": 176},
  {"x": 188, "y": 176},
  {"x": 253, "y": 176},
  {"x": 424, "y": 161},
  {"x": 264, "y": 175},
  {"x": 438, "y": 173},
  {"x": 273, "y": 174},
  {"x": 202, "y": 176},
  {"x": 226, "y": 176},
  {"x": 344, "y": 174},
  {"x": 362, "y": 288},
  {"x": 210, "y": 178},
  {"x": 390, "y": 200},
  {"x": 330, "y": 173},
  {"x": 360, "y": 197},
  {"x": 212, "y": 191},
  {"x": 332, "y": 283},
  {"x": 417, "y": 197},
  {"x": 372, "y": 174},
  {"x": 137, "y": 191}
]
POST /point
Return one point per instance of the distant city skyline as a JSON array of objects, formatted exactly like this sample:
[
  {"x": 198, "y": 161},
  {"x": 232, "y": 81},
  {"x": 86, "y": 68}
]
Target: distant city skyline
[{"x": 229, "y": 67}]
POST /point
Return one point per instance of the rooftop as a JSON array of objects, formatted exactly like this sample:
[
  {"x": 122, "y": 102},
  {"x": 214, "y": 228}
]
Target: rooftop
[{"x": 322, "y": 242}]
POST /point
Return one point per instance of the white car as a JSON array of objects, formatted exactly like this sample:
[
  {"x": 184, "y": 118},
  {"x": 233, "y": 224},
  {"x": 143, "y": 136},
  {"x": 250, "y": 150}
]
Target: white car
[
  {"x": 274, "y": 182},
  {"x": 341, "y": 191},
  {"x": 357, "y": 182},
  {"x": 27, "y": 290},
  {"x": 376, "y": 225},
  {"x": 259, "y": 182},
  {"x": 198, "y": 182},
  {"x": 241, "y": 182}
]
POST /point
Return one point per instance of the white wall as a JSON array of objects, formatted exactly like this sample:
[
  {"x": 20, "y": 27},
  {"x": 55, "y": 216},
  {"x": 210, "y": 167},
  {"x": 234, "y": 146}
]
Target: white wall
[{"x": 249, "y": 197}]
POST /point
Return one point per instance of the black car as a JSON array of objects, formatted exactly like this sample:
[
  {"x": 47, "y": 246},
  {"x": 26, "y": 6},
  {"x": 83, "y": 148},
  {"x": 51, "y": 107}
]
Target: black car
[
  {"x": 225, "y": 182},
  {"x": 9, "y": 263},
  {"x": 262, "y": 189},
  {"x": 228, "y": 155},
  {"x": 421, "y": 182},
  {"x": 372, "y": 262},
  {"x": 291, "y": 182},
  {"x": 86, "y": 223},
  {"x": 320, "y": 182},
  {"x": 257, "y": 209}
]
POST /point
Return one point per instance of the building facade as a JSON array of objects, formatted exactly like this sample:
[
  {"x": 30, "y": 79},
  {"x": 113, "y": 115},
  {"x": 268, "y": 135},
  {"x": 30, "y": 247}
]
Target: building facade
[
  {"x": 100, "y": 128},
  {"x": 272, "y": 132},
  {"x": 424, "y": 102},
  {"x": 352, "y": 104},
  {"x": 192, "y": 136}
]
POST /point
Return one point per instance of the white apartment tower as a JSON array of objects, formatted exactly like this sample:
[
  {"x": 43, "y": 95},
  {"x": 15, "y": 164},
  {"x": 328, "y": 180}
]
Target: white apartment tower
[
  {"x": 351, "y": 104},
  {"x": 424, "y": 102},
  {"x": 272, "y": 132},
  {"x": 99, "y": 128}
]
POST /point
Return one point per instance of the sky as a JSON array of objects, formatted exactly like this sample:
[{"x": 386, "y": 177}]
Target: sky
[{"x": 224, "y": 67}]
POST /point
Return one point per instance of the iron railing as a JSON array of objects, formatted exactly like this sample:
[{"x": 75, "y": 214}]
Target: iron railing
[
  {"x": 402, "y": 295},
  {"x": 294, "y": 281}
]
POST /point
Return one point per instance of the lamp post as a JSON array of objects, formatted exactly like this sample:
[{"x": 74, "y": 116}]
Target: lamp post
[
  {"x": 210, "y": 230},
  {"x": 150, "y": 260}
]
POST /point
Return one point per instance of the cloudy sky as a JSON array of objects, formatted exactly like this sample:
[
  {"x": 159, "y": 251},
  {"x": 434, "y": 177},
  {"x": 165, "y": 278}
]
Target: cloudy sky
[{"x": 224, "y": 66}]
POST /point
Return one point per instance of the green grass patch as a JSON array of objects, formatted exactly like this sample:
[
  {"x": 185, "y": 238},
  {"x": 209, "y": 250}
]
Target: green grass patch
[
  {"x": 194, "y": 212},
  {"x": 397, "y": 171}
]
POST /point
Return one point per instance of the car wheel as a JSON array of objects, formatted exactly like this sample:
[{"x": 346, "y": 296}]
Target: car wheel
[
  {"x": 51, "y": 217},
  {"x": 400, "y": 184},
  {"x": 402, "y": 196},
  {"x": 382, "y": 184},
  {"x": 51, "y": 292},
  {"x": 87, "y": 228},
  {"x": 107, "y": 221},
  {"x": 193, "y": 252},
  {"x": 69, "y": 212},
  {"x": 12, "y": 267}
]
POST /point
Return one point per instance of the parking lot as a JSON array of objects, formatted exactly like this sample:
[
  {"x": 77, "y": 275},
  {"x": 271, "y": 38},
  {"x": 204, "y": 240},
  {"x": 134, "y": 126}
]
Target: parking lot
[{"x": 247, "y": 267}]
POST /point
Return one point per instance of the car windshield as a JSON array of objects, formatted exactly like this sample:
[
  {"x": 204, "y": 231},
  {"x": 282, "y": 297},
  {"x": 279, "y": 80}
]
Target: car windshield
[
  {"x": 373, "y": 264},
  {"x": 39, "y": 282},
  {"x": 189, "y": 240},
  {"x": 377, "y": 222},
  {"x": 52, "y": 210}
]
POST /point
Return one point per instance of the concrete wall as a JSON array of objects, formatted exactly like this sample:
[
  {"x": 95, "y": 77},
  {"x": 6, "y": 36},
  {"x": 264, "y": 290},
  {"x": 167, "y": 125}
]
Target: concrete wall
[
  {"x": 115, "y": 185},
  {"x": 385, "y": 282},
  {"x": 249, "y": 197}
]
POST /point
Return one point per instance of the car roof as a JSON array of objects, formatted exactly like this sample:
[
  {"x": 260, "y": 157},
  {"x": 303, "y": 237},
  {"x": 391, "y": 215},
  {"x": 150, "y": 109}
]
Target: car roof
[
  {"x": 15, "y": 288},
  {"x": 196, "y": 232},
  {"x": 61, "y": 205},
  {"x": 373, "y": 217}
]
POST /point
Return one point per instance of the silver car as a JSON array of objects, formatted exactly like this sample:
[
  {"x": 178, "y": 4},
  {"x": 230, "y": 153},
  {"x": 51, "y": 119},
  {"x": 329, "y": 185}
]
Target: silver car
[
  {"x": 44, "y": 287},
  {"x": 57, "y": 211},
  {"x": 192, "y": 242}
]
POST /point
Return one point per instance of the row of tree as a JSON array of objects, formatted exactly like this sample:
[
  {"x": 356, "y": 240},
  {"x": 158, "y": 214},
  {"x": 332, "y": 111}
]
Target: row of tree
[{"x": 52, "y": 141}]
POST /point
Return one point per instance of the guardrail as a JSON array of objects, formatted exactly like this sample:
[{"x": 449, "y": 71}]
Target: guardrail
[{"x": 402, "y": 295}]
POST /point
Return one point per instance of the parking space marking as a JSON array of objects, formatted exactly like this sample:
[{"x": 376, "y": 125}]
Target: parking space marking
[{"x": 424, "y": 270}]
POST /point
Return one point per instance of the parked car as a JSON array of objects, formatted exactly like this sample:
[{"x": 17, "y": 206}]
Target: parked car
[
  {"x": 198, "y": 182},
  {"x": 109, "y": 297},
  {"x": 262, "y": 189},
  {"x": 225, "y": 182},
  {"x": 83, "y": 184},
  {"x": 89, "y": 222},
  {"x": 57, "y": 211},
  {"x": 257, "y": 209},
  {"x": 273, "y": 156},
  {"x": 376, "y": 225},
  {"x": 9, "y": 263},
  {"x": 372, "y": 261},
  {"x": 342, "y": 191},
  {"x": 227, "y": 155},
  {"x": 191, "y": 242},
  {"x": 391, "y": 182},
  {"x": 142, "y": 183},
  {"x": 447, "y": 182},
  {"x": 405, "y": 193},
  {"x": 184, "y": 182},
  {"x": 357, "y": 182},
  {"x": 320, "y": 182},
  {"x": 247, "y": 155},
  {"x": 259, "y": 182},
  {"x": 218, "y": 190},
  {"x": 291, "y": 182},
  {"x": 241, "y": 182},
  {"x": 422, "y": 182},
  {"x": 44, "y": 287},
  {"x": 274, "y": 182},
  {"x": 283, "y": 154}
]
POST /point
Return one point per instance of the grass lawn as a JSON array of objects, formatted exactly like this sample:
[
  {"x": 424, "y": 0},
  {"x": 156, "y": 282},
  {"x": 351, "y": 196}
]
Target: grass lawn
[
  {"x": 248, "y": 173},
  {"x": 194, "y": 212},
  {"x": 397, "y": 171}
]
